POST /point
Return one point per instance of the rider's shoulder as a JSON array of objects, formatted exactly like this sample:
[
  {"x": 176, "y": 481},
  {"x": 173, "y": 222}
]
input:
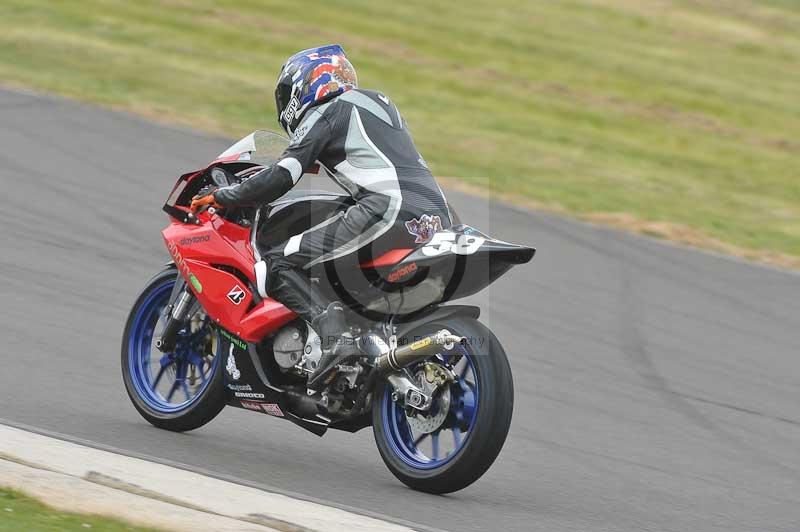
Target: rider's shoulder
[
  {"x": 371, "y": 101},
  {"x": 363, "y": 97}
]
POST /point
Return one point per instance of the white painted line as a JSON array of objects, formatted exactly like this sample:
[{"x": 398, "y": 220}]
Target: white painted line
[{"x": 63, "y": 460}]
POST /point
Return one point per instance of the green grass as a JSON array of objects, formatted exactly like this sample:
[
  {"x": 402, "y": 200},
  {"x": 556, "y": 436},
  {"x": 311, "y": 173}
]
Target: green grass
[
  {"x": 684, "y": 111},
  {"x": 19, "y": 513}
]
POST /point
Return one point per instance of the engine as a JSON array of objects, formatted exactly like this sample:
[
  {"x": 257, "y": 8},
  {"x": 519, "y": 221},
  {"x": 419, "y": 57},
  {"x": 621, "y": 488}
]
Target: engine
[
  {"x": 288, "y": 347},
  {"x": 295, "y": 351}
]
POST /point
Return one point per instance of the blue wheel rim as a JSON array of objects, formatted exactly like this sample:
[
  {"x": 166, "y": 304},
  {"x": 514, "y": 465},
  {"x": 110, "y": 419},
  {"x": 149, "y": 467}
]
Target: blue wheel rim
[
  {"x": 443, "y": 445},
  {"x": 167, "y": 383}
]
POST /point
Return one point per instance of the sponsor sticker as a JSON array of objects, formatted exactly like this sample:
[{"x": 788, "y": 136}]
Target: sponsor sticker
[
  {"x": 238, "y": 342},
  {"x": 240, "y": 387},
  {"x": 272, "y": 409},
  {"x": 189, "y": 240},
  {"x": 250, "y": 405},
  {"x": 195, "y": 282},
  {"x": 180, "y": 262},
  {"x": 424, "y": 228},
  {"x": 231, "y": 368},
  {"x": 403, "y": 271},
  {"x": 419, "y": 344},
  {"x": 248, "y": 395},
  {"x": 236, "y": 295}
]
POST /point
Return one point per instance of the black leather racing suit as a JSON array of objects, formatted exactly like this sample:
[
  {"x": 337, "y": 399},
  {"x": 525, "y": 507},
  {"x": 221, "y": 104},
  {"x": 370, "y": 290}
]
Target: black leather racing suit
[{"x": 362, "y": 142}]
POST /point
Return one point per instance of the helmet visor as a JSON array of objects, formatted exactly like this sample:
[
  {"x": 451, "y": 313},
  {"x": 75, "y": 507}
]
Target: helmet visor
[{"x": 283, "y": 92}]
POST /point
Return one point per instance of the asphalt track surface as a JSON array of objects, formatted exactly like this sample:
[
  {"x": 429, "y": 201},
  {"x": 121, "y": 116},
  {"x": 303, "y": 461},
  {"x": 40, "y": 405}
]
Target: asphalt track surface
[{"x": 657, "y": 388}]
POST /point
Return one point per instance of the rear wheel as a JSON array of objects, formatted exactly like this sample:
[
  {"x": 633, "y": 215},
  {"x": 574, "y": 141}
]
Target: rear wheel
[
  {"x": 177, "y": 391},
  {"x": 453, "y": 444}
]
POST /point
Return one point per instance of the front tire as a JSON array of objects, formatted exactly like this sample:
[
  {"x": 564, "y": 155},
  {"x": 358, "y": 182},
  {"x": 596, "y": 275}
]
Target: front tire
[
  {"x": 477, "y": 421},
  {"x": 177, "y": 391}
]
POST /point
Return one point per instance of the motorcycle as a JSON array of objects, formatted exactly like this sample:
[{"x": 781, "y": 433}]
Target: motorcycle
[{"x": 433, "y": 382}]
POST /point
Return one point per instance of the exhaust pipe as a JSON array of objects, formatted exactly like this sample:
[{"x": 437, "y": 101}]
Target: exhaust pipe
[{"x": 406, "y": 355}]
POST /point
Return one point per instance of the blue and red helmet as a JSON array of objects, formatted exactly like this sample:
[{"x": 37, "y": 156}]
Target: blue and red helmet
[{"x": 309, "y": 78}]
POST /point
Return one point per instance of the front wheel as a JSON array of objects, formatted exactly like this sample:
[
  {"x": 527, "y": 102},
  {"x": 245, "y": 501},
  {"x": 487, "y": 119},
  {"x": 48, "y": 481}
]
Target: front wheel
[
  {"x": 176, "y": 391},
  {"x": 457, "y": 440}
]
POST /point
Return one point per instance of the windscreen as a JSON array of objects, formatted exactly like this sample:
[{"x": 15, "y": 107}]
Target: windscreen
[{"x": 259, "y": 147}]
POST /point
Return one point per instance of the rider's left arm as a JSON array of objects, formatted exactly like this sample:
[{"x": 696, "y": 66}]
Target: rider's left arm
[{"x": 274, "y": 181}]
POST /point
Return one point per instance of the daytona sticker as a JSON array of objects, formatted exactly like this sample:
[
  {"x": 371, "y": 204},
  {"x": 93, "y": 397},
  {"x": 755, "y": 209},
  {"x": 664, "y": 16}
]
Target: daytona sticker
[
  {"x": 401, "y": 272},
  {"x": 189, "y": 240}
]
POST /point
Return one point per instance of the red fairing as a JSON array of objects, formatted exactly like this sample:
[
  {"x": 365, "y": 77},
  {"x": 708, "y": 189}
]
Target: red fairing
[
  {"x": 263, "y": 319},
  {"x": 198, "y": 252}
]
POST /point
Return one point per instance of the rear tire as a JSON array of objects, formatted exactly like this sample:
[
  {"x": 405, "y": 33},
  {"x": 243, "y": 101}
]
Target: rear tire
[
  {"x": 141, "y": 323},
  {"x": 488, "y": 431}
]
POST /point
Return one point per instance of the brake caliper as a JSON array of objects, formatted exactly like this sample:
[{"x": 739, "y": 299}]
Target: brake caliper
[{"x": 436, "y": 375}]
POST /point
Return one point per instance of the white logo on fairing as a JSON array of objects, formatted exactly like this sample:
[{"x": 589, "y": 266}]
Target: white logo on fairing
[
  {"x": 249, "y": 395},
  {"x": 383, "y": 98},
  {"x": 231, "y": 368},
  {"x": 459, "y": 244}
]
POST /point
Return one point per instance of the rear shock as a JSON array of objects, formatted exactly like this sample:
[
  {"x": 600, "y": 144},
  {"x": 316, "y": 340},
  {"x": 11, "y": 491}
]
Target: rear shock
[{"x": 176, "y": 321}]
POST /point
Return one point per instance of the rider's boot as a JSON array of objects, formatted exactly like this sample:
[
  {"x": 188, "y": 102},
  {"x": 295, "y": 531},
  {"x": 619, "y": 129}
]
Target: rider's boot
[{"x": 295, "y": 291}]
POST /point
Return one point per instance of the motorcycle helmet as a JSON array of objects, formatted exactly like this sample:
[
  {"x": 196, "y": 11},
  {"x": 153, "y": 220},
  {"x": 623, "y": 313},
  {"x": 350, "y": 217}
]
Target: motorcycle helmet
[{"x": 309, "y": 78}]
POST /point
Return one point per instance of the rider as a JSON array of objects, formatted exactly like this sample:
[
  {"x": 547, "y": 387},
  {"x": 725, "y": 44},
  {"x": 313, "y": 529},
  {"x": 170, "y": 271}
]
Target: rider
[{"x": 359, "y": 139}]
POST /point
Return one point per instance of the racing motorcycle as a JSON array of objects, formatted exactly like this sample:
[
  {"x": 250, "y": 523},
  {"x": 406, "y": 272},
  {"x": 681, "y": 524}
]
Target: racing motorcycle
[{"x": 432, "y": 381}]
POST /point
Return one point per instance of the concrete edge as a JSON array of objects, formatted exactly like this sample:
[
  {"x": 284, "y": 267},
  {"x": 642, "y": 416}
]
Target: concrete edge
[
  {"x": 217, "y": 475},
  {"x": 70, "y": 494},
  {"x": 77, "y": 478}
]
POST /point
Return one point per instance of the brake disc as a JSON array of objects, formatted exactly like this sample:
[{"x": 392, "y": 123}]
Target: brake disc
[
  {"x": 427, "y": 423},
  {"x": 428, "y": 381}
]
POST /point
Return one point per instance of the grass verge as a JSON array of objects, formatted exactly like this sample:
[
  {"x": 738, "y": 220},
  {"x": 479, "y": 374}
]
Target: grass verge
[
  {"x": 20, "y": 513},
  {"x": 679, "y": 113}
]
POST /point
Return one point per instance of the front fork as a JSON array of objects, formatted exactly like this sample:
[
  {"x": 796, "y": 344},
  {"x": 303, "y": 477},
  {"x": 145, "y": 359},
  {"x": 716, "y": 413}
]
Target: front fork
[{"x": 176, "y": 320}]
